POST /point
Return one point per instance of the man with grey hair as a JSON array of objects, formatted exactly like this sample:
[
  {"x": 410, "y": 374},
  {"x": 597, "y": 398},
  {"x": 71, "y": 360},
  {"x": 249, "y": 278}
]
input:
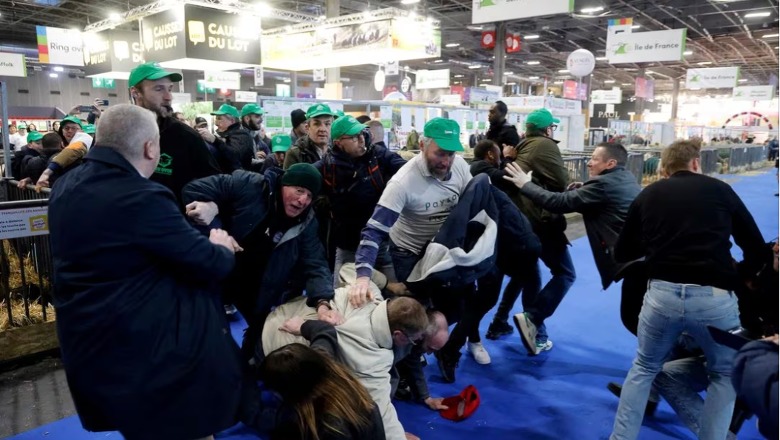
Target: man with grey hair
[{"x": 142, "y": 334}]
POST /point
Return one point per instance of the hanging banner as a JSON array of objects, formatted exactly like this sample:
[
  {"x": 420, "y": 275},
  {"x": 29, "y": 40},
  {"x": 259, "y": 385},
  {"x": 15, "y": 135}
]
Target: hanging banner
[
  {"x": 259, "y": 78},
  {"x": 488, "y": 40},
  {"x": 187, "y": 36},
  {"x": 582, "y": 91},
  {"x": 513, "y": 43},
  {"x": 318, "y": 75},
  {"x": 570, "y": 89},
  {"x": 753, "y": 93},
  {"x": 644, "y": 88},
  {"x": 222, "y": 80},
  {"x": 242, "y": 96},
  {"x": 12, "y": 64},
  {"x": 433, "y": 79},
  {"x": 476, "y": 94},
  {"x": 614, "y": 96},
  {"x": 351, "y": 45},
  {"x": 112, "y": 54},
  {"x": 59, "y": 46},
  {"x": 712, "y": 78},
  {"x": 488, "y": 11},
  {"x": 386, "y": 116},
  {"x": 391, "y": 68},
  {"x": 644, "y": 47}
]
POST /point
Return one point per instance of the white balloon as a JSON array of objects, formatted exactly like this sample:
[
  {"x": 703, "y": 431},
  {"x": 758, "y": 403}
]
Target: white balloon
[
  {"x": 581, "y": 62},
  {"x": 379, "y": 81}
]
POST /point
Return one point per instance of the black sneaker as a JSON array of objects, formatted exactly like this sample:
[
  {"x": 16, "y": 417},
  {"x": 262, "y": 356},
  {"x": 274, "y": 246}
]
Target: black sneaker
[
  {"x": 498, "y": 329},
  {"x": 447, "y": 366},
  {"x": 652, "y": 403}
]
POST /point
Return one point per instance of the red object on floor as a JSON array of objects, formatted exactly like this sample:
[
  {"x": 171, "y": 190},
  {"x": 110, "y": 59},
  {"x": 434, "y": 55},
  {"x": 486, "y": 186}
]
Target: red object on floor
[{"x": 462, "y": 406}]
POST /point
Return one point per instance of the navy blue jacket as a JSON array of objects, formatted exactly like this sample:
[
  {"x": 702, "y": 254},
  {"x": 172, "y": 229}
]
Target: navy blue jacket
[
  {"x": 484, "y": 229},
  {"x": 248, "y": 201},
  {"x": 353, "y": 188},
  {"x": 755, "y": 380},
  {"x": 143, "y": 337}
]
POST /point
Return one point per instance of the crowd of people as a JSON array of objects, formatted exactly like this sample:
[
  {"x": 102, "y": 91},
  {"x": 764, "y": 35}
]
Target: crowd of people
[{"x": 349, "y": 265}]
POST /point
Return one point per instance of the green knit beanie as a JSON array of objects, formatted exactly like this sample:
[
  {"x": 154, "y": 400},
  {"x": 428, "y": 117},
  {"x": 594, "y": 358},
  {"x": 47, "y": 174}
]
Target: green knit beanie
[{"x": 304, "y": 175}]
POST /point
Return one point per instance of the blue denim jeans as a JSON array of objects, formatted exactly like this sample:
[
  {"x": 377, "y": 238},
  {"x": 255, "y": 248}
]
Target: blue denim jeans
[
  {"x": 668, "y": 310},
  {"x": 542, "y": 305}
]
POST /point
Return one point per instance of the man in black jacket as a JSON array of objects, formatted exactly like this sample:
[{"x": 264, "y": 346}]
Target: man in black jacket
[
  {"x": 183, "y": 155},
  {"x": 32, "y": 166},
  {"x": 603, "y": 202},
  {"x": 682, "y": 226},
  {"x": 487, "y": 160},
  {"x": 501, "y": 132},
  {"x": 232, "y": 138},
  {"x": 270, "y": 217}
]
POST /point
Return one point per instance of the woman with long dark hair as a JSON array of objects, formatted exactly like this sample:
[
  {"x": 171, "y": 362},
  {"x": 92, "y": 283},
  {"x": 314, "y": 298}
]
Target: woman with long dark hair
[{"x": 324, "y": 400}]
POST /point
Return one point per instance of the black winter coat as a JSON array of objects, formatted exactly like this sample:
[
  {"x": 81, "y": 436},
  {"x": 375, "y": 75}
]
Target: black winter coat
[
  {"x": 240, "y": 145},
  {"x": 603, "y": 202},
  {"x": 353, "y": 188},
  {"x": 145, "y": 343},
  {"x": 504, "y": 134},
  {"x": 248, "y": 205}
]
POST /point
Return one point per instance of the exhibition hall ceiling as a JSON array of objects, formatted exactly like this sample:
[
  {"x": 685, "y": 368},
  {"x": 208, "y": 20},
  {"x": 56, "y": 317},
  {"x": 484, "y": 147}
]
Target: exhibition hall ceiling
[{"x": 739, "y": 33}]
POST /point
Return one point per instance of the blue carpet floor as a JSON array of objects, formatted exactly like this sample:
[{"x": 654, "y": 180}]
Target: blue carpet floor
[{"x": 560, "y": 394}]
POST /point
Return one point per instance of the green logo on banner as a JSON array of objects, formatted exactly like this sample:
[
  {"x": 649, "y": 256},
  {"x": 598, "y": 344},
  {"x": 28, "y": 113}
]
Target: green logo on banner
[
  {"x": 204, "y": 89},
  {"x": 103, "y": 83}
]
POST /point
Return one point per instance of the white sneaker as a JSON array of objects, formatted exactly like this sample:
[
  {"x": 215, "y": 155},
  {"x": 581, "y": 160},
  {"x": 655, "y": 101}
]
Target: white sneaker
[{"x": 478, "y": 351}]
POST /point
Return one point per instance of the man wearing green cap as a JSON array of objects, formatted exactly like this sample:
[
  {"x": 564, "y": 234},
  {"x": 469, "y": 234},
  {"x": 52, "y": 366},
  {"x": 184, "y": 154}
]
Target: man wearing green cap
[
  {"x": 539, "y": 153},
  {"x": 69, "y": 126},
  {"x": 31, "y": 149},
  {"x": 280, "y": 143},
  {"x": 33, "y": 166},
  {"x": 183, "y": 155},
  {"x": 312, "y": 147},
  {"x": 354, "y": 176},
  {"x": 412, "y": 209},
  {"x": 252, "y": 121},
  {"x": 270, "y": 216},
  {"x": 232, "y": 139}
]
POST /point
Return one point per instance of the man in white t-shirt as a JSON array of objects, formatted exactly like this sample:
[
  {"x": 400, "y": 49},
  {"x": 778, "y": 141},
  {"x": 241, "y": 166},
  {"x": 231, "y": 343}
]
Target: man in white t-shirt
[{"x": 412, "y": 209}]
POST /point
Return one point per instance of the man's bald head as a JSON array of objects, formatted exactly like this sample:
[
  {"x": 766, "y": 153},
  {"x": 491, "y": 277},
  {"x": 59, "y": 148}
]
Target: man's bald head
[{"x": 437, "y": 333}]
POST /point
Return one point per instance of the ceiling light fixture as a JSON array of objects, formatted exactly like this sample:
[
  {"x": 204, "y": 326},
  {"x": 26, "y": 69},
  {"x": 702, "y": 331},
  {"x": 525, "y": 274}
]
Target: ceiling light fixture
[
  {"x": 459, "y": 76},
  {"x": 409, "y": 2},
  {"x": 59, "y": 69},
  {"x": 626, "y": 84},
  {"x": 743, "y": 80},
  {"x": 509, "y": 72},
  {"x": 475, "y": 66},
  {"x": 593, "y": 9},
  {"x": 563, "y": 71},
  {"x": 557, "y": 82},
  {"x": 531, "y": 37},
  {"x": 636, "y": 26},
  {"x": 704, "y": 63},
  {"x": 771, "y": 36},
  {"x": 650, "y": 72},
  {"x": 439, "y": 61},
  {"x": 602, "y": 58},
  {"x": 452, "y": 45},
  {"x": 511, "y": 83},
  {"x": 688, "y": 52},
  {"x": 262, "y": 9},
  {"x": 533, "y": 77},
  {"x": 114, "y": 16},
  {"x": 609, "y": 81},
  {"x": 533, "y": 63},
  {"x": 474, "y": 28},
  {"x": 758, "y": 14},
  {"x": 53, "y": 75}
]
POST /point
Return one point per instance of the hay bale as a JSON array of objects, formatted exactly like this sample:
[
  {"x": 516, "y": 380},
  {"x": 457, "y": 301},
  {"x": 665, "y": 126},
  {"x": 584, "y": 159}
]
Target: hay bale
[{"x": 18, "y": 291}]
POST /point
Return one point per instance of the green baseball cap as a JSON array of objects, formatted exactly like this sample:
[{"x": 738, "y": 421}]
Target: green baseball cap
[
  {"x": 345, "y": 126},
  {"x": 446, "y": 133},
  {"x": 72, "y": 119},
  {"x": 152, "y": 72},
  {"x": 251, "y": 109},
  {"x": 226, "y": 109},
  {"x": 319, "y": 110},
  {"x": 34, "y": 136},
  {"x": 541, "y": 118},
  {"x": 22, "y": 126},
  {"x": 280, "y": 143},
  {"x": 89, "y": 129}
]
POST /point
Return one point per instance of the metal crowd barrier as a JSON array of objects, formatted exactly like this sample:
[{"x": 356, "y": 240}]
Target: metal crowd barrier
[
  {"x": 636, "y": 164},
  {"x": 577, "y": 168},
  {"x": 746, "y": 157},
  {"x": 26, "y": 272}
]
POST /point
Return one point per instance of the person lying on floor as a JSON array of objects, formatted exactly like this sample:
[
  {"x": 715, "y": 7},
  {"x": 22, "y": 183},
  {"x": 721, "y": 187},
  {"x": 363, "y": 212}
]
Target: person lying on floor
[{"x": 365, "y": 342}]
